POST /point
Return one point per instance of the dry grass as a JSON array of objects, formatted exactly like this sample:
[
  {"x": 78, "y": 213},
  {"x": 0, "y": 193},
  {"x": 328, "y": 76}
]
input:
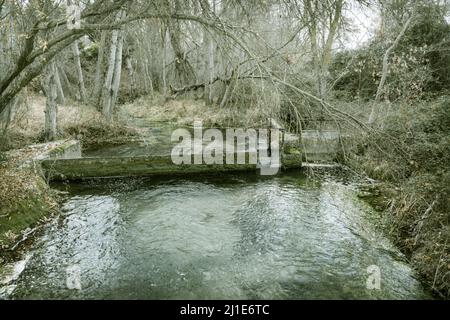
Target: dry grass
[
  {"x": 186, "y": 111},
  {"x": 75, "y": 120},
  {"x": 16, "y": 185}
]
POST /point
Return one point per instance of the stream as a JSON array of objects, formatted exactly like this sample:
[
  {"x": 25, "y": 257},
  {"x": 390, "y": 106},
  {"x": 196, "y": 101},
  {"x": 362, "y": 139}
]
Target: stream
[{"x": 223, "y": 237}]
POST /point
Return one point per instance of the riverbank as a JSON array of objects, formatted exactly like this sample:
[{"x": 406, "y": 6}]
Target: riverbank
[
  {"x": 418, "y": 228},
  {"x": 27, "y": 202},
  {"x": 413, "y": 168},
  {"x": 27, "y": 199}
]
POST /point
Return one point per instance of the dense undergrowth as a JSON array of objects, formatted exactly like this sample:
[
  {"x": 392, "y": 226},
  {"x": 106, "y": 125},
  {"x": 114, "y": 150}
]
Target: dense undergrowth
[{"x": 410, "y": 153}]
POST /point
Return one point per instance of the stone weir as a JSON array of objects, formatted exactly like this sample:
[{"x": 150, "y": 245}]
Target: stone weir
[{"x": 79, "y": 168}]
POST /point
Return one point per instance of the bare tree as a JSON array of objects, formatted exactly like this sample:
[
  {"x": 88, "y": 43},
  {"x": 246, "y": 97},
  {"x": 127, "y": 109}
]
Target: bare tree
[
  {"x": 130, "y": 69},
  {"x": 81, "y": 85},
  {"x": 108, "y": 92},
  {"x": 385, "y": 71},
  {"x": 99, "y": 70},
  {"x": 323, "y": 19}
]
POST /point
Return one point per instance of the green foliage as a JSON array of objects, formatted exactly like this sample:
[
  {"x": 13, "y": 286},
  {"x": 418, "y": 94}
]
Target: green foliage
[
  {"x": 432, "y": 32},
  {"x": 419, "y": 66},
  {"x": 90, "y": 53},
  {"x": 357, "y": 72},
  {"x": 415, "y": 139}
]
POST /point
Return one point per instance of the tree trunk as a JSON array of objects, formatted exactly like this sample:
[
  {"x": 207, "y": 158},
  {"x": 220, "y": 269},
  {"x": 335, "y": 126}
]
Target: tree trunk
[
  {"x": 12, "y": 35},
  {"x": 2, "y": 31},
  {"x": 59, "y": 88},
  {"x": 314, "y": 46},
  {"x": 81, "y": 87},
  {"x": 107, "y": 88},
  {"x": 65, "y": 80},
  {"x": 130, "y": 69},
  {"x": 99, "y": 71},
  {"x": 51, "y": 107},
  {"x": 164, "y": 63},
  {"x": 322, "y": 45},
  {"x": 112, "y": 80},
  {"x": 208, "y": 10},
  {"x": 117, "y": 72},
  {"x": 209, "y": 72},
  {"x": 229, "y": 88},
  {"x": 184, "y": 72},
  {"x": 148, "y": 82},
  {"x": 7, "y": 116}
]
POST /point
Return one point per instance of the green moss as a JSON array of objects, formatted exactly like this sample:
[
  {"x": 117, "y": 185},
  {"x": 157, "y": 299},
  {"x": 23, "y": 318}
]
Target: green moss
[
  {"x": 292, "y": 150},
  {"x": 377, "y": 196},
  {"x": 26, "y": 214},
  {"x": 74, "y": 169}
]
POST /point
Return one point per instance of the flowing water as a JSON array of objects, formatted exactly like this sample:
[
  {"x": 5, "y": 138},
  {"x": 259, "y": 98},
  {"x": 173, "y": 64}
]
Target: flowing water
[{"x": 228, "y": 237}]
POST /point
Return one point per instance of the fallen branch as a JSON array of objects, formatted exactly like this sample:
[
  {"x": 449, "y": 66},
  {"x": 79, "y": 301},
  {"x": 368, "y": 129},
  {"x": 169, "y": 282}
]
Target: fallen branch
[{"x": 176, "y": 92}]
